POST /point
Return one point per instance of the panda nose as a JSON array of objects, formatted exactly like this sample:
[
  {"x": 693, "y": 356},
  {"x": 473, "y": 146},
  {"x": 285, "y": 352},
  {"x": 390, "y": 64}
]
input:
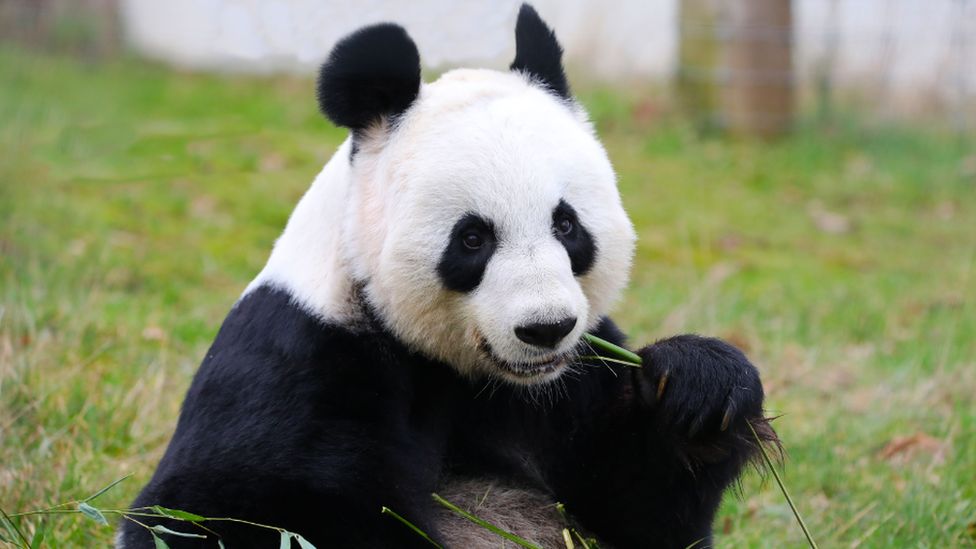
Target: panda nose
[{"x": 545, "y": 334}]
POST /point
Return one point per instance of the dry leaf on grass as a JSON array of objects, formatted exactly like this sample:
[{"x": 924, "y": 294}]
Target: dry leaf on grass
[
  {"x": 827, "y": 221},
  {"x": 153, "y": 333},
  {"x": 905, "y": 448}
]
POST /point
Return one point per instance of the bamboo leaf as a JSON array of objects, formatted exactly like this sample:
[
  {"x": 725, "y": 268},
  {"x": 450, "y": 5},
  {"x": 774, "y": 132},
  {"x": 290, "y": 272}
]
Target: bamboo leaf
[
  {"x": 568, "y": 539},
  {"x": 617, "y": 351},
  {"x": 608, "y": 359},
  {"x": 587, "y": 544},
  {"x": 285, "y": 540},
  {"x": 304, "y": 543},
  {"x": 220, "y": 544},
  {"x": 410, "y": 525},
  {"x": 92, "y": 513},
  {"x": 164, "y": 530},
  {"x": 107, "y": 488},
  {"x": 158, "y": 541},
  {"x": 177, "y": 514},
  {"x": 485, "y": 524}
]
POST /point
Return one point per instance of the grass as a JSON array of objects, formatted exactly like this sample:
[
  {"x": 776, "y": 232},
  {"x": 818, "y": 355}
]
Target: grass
[{"x": 136, "y": 203}]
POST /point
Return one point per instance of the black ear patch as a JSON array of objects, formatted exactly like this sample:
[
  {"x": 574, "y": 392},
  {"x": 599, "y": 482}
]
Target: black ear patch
[
  {"x": 371, "y": 74},
  {"x": 538, "y": 53}
]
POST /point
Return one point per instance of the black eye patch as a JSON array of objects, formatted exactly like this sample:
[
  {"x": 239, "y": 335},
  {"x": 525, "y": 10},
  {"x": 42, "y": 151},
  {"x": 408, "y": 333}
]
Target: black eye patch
[
  {"x": 466, "y": 255},
  {"x": 579, "y": 244}
]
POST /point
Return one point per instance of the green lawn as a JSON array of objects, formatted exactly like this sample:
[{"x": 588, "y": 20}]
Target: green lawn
[{"x": 136, "y": 203}]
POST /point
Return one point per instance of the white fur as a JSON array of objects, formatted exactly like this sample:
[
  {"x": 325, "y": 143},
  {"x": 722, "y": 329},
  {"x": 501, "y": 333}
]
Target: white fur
[
  {"x": 476, "y": 141},
  {"x": 306, "y": 261}
]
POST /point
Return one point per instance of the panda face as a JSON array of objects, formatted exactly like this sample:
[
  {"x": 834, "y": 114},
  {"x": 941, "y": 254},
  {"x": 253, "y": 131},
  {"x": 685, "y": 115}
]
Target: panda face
[
  {"x": 488, "y": 230},
  {"x": 478, "y": 215}
]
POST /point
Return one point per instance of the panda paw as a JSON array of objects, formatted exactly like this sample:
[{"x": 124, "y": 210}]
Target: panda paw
[{"x": 698, "y": 389}]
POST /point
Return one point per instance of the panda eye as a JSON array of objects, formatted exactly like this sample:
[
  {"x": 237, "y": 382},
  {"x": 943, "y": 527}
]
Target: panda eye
[
  {"x": 472, "y": 241},
  {"x": 564, "y": 226}
]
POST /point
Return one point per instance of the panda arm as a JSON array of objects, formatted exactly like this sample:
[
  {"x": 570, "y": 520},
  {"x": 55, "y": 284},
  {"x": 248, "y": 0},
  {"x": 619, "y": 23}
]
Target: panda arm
[
  {"x": 648, "y": 460},
  {"x": 299, "y": 425}
]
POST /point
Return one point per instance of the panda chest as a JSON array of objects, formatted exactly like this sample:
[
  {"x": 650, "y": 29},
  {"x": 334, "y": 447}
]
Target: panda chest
[{"x": 526, "y": 512}]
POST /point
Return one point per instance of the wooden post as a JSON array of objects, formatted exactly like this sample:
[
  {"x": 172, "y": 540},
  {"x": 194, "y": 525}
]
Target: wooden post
[
  {"x": 736, "y": 65},
  {"x": 87, "y": 27}
]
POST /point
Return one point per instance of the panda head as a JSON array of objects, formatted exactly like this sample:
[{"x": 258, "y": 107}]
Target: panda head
[{"x": 482, "y": 218}]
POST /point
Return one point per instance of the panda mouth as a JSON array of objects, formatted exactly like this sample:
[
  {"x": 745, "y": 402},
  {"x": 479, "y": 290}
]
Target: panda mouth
[
  {"x": 531, "y": 370},
  {"x": 524, "y": 371}
]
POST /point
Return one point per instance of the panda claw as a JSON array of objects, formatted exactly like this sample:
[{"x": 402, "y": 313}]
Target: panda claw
[
  {"x": 662, "y": 384},
  {"x": 727, "y": 418}
]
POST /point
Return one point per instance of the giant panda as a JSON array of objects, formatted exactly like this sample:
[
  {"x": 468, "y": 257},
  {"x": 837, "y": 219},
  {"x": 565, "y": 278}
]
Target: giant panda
[{"x": 417, "y": 330}]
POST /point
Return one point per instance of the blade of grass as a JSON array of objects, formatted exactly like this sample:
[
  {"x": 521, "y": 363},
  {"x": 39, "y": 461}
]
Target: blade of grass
[
  {"x": 13, "y": 530},
  {"x": 38, "y": 538},
  {"x": 410, "y": 525},
  {"x": 619, "y": 352},
  {"x": 485, "y": 524},
  {"x": 782, "y": 487}
]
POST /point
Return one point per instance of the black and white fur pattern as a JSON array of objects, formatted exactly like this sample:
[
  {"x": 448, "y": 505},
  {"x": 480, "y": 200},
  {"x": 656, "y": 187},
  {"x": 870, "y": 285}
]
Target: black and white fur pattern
[{"x": 417, "y": 327}]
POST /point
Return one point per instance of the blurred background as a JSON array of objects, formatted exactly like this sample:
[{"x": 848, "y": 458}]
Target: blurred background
[
  {"x": 802, "y": 176},
  {"x": 898, "y": 57}
]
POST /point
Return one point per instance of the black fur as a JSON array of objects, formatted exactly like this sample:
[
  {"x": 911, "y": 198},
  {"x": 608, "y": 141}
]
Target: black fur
[
  {"x": 314, "y": 428},
  {"x": 370, "y": 75},
  {"x": 460, "y": 267},
  {"x": 538, "y": 53},
  {"x": 578, "y": 242}
]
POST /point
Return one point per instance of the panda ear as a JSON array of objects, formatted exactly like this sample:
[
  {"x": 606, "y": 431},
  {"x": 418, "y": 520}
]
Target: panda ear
[
  {"x": 538, "y": 53},
  {"x": 370, "y": 75}
]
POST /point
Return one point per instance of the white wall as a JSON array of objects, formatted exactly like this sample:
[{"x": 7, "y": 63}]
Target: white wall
[{"x": 905, "y": 49}]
